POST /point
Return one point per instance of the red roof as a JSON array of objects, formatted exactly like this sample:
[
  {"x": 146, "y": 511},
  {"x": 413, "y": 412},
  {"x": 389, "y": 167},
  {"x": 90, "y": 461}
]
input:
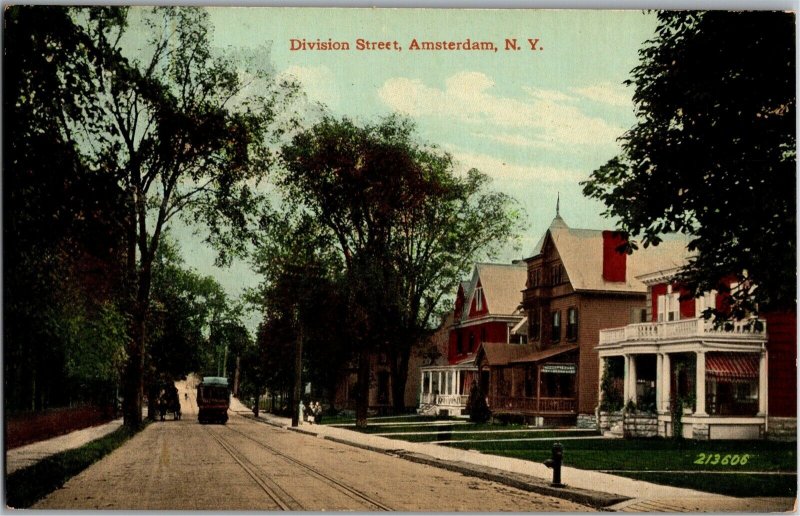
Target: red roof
[{"x": 732, "y": 366}]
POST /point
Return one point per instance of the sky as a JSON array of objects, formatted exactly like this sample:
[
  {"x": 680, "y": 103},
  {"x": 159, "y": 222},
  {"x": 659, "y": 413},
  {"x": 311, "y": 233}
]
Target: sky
[{"x": 537, "y": 119}]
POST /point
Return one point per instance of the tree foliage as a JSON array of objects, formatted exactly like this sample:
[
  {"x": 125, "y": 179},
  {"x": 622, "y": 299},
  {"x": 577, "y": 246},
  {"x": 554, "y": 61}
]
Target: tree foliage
[
  {"x": 62, "y": 253},
  {"x": 174, "y": 126},
  {"x": 303, "y": 294},
  {"x": 713, "y": 153},
  {"x": 404, "y": 224}
]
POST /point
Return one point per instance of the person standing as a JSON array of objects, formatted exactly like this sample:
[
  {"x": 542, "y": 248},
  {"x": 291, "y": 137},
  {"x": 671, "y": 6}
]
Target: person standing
[
  {"x": 301, "y": 415},
  {"x": 317, "y": 412}
]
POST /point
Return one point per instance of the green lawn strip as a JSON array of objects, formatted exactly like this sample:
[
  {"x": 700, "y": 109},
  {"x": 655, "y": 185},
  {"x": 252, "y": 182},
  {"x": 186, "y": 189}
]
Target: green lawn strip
[
  {"x": 452, "y": 436},
  {"x": 649, "y": 454},
  {"x": 375, "y": 427},
  {"x": 339, "y": 420},
  {"x": 28, "y": 485},
  {"x": 744, "y": 485}
]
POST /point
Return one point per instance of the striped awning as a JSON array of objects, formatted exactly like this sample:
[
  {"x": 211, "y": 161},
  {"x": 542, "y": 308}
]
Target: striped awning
[{"x": 732, "y": 366}]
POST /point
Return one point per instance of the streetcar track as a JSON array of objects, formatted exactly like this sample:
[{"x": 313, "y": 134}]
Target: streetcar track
[
  {"x": 351, "y": 491},
  {"x": 284, "y": 500}
]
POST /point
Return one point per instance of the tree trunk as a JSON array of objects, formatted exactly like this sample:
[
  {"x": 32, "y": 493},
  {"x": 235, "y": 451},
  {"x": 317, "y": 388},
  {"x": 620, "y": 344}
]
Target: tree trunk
[
  {"x": 399, "y": 368},
  {"x": 133, "y": 382},
  {"x": 362, "y": 388},
  {"x": 236, "y": 376}
]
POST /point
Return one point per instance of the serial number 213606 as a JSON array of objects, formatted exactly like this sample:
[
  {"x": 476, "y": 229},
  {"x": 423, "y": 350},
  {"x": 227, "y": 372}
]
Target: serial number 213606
[{"x": 714, "y": 459}]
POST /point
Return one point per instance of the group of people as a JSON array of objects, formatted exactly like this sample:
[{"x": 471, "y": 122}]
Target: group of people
[{"x": 313, "y": 413}]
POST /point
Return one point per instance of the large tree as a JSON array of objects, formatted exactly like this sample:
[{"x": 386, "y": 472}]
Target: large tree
[
  {"x": 62, "y": 254},
  {"x": 713, "y": 153},
  {"x": 174, "y": 126},
  {"x": 303, "y": 299},
  {"x": 404, "y": 223}
]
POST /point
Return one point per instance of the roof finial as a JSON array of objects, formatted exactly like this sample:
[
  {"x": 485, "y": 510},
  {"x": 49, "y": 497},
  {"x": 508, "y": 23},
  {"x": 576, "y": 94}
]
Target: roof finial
[{"x": 558, "y": 201}]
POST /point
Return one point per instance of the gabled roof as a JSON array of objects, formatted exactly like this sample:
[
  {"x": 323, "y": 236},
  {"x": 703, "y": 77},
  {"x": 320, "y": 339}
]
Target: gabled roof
[
  {"x": 502, "y": 287},
  {"x": 581, "y": 252},
  {"x": 501, "y": 353}
]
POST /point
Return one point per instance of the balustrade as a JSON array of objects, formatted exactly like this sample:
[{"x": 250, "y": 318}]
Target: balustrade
[
  {"x": 685, "y": 328},
  {"x": 536, "y": 405}
]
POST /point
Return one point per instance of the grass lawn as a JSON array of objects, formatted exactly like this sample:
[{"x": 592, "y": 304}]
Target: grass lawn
[
  {"x": 636, "y": 457},
  {"x": 377, "y": 420},
  {"x": 28, "y": 485},
  {"x": 724, "y": 467},
  {"x": 455, "y": 435}
]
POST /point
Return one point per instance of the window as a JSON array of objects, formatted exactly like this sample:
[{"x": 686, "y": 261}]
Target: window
[
  {"x": 555, "y": 335},
  {"x": 572, "y": 323},
  {"x": 459, "y": 343},
  {"x": 478, "y": 299},
  {"x": 536, "y": 277},
  {"x": 669, "y": 306},
  {"x": 535, "y": 323},
  {"x": 483, "y": 335},
  {"x": 555, "y": 274},
  {"x": 472, "y": 342}
]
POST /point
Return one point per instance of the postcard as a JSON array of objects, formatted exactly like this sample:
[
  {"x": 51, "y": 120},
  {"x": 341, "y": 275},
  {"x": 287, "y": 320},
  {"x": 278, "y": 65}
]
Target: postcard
[{"x": 399, "y": 259}]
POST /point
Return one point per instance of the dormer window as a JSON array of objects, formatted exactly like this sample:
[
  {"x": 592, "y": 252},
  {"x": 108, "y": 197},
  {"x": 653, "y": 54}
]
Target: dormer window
[
  {"x": 478, "y": 299},
  {"x": 669, "y": 306}
]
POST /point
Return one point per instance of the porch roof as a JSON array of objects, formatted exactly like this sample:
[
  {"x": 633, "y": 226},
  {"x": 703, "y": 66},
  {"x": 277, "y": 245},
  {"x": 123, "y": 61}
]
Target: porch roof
[
  {"x": 501, "y": 353},
  {"x": 547, "y": 353},
  {"x": 732, "y": 366}
]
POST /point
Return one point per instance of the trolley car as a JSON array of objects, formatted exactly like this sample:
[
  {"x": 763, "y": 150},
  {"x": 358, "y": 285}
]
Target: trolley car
[{"x": 213, "y": 400}]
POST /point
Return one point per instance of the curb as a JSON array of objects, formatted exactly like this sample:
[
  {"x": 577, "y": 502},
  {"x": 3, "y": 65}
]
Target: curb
[{"x": 594, "y": 499}]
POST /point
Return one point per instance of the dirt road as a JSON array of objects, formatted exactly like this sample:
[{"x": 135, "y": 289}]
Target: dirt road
[{"x": 247, "y": 465}]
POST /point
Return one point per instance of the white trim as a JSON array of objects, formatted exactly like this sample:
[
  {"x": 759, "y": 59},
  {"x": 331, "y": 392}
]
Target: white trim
[{"x": 486, "y": 318}]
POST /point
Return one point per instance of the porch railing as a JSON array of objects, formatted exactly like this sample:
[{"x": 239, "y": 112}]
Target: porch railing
[
  {"x": 745, "y": 330},
  {"x": 444, "y": 400},
  {"x": 538, "y": 405}
]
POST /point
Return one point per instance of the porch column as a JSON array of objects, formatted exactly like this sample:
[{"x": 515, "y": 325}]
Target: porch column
[
  {"x": 601, "y": 369},
  {"x": 538, "y": 385},
  {"x": 659, "y": 387},
  {"x": 632, "y": 388},
  {"x": 421, "y": 386},
  {"x": 700, "y": 384},
  {"x": 439, "y": 385},
  {"x": 453, "y": 382},
  {"x": 666, "y": 383},
  {"x": 626, "y": 384},
  {"x": 762, "y": 384}
]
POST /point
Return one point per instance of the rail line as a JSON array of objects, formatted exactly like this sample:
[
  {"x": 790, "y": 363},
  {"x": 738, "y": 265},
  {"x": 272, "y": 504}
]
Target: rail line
[
  {"x": 351, "y": 491},
  {"x": 284, "y": 500}
]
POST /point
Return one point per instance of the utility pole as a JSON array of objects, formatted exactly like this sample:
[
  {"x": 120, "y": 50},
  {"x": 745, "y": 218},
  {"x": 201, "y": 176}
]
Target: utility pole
[{"x": 298, "y": 367}]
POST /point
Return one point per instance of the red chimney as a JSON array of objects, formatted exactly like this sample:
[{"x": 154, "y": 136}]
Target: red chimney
[{"x": 614, "y": 261}]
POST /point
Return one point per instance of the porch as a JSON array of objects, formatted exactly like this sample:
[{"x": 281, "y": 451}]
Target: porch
[
  {"x": 540, "y": 385},
  {"x": 444, "y": 390},
  {"x": 686, "y": 376}
]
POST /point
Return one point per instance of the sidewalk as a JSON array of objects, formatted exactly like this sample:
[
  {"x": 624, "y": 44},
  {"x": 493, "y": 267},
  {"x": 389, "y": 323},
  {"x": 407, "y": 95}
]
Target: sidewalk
[
  {"x": 600, "y": 490},
  {"x": 30, "y": 454}
]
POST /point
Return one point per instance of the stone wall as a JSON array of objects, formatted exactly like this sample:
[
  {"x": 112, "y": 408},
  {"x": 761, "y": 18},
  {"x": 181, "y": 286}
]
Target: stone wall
[
  {"x": 640, "y": 425},
  {"x": 588, "y": 421},
  {"x": 782, "y": 429},
  {"x": 700, "y": 432},
  {"x": 609, "y": 419}
]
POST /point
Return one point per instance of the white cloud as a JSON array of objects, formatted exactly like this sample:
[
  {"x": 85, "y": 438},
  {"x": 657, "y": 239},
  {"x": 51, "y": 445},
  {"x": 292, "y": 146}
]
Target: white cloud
[
  {"x": 504, "y": 171},
  {"x": 468, "y": 97},
  {"x": 606, "y": 93},
  {"x": 516, "y": 140},
  {"x": 316, "y": 81}
]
